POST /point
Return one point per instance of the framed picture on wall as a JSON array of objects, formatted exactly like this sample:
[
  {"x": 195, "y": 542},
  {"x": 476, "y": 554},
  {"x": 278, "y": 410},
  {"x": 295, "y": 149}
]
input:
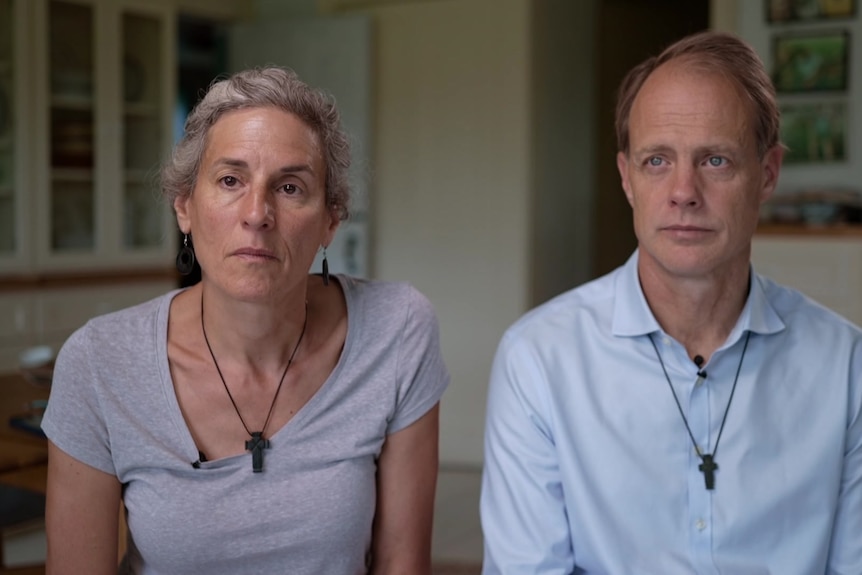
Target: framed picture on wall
[
  {"x": 810, "y": 62},
  {"x": 814, "y": 132},
  {"x": 790, "y": 10}
]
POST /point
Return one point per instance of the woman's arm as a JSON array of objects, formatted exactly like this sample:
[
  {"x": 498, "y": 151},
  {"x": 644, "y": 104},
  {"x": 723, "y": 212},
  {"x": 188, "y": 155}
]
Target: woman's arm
[
  {"x": 406, "y": 482},
  {"x": 81, "y": 517}
]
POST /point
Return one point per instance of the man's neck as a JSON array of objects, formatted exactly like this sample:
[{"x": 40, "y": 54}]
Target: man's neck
[{"x": 698, "y": 312}]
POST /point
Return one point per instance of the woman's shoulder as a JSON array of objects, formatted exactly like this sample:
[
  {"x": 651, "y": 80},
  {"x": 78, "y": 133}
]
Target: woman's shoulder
[
  {"x": 126, "y": 324},
  {"x": 141, "y": 311},
  {"x": 386, "y": 297}
]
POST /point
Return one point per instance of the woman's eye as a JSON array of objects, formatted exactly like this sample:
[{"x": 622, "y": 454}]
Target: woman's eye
[
  {"x": 229, "y": 181},
  {"x": 289, "y": 189}
]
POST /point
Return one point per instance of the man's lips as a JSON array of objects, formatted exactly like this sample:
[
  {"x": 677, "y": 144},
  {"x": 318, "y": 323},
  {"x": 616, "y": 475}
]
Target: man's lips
[{"x": 680, "y": 228}]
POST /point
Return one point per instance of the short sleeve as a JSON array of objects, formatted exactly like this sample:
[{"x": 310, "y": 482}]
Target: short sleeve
[
  {"x": 74, "y": 419},
  {"x": 421, "y": 374}
]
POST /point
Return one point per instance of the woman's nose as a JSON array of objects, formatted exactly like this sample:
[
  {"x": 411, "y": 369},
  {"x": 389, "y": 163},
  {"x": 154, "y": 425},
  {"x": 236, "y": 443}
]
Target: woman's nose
[{"x": 257, "y": 208}]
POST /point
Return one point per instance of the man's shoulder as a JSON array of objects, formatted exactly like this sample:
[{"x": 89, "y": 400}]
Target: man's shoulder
[
  {"x": 800, "y": 311},
  {"x": 567, "y": 312}
]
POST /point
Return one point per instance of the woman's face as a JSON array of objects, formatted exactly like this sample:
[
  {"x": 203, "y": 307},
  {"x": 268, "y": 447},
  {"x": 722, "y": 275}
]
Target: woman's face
[{"x": 258, "y": 213}]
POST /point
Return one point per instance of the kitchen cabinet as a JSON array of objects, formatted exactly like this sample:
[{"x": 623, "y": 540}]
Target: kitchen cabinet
[
  {"x": 86, "y": 96},
  {"x": 14, "y": 209},
  {"x": 825, "y": 265},
  {"x": 88, "y": 88}
]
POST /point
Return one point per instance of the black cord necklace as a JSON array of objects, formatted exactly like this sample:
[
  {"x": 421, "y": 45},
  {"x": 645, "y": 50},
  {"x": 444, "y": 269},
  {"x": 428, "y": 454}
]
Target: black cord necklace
[
  {"x": 257, "y": 443},
  {"x": 708, "y": 464}
]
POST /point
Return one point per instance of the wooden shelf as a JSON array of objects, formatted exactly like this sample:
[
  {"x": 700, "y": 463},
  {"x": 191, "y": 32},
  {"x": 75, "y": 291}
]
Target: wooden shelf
[
  {"x": 808, "y": 230},
  {"x": 72, "y": 102},
  {"x": 86, "y": 278},
  {"x": 135, "y": 176},
  {"x": 141, "y": 110},
  {"x": 72, "y": 175}
]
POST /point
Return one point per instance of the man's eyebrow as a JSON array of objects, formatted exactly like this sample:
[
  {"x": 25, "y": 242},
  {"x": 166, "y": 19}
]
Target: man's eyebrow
[{"x": 653, "y": 149}]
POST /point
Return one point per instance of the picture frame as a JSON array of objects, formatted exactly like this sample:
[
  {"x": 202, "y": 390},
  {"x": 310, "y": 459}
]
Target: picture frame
[
  {"x": 796, "y": 10},
  {"x": 810, "y": 62},
  {"x": 814, "y": 132}
]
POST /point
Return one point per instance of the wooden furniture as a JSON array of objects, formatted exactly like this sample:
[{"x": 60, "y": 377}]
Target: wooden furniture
[{"x": 23, "y": 456}]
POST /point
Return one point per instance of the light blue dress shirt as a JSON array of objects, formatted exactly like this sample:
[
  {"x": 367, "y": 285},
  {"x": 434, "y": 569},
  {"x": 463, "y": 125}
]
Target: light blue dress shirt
[{"x": 589, "y": 467}]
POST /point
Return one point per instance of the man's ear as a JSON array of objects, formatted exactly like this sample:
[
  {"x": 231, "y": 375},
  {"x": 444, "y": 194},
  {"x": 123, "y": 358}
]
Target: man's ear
[
  {"x": 771, "y": 166},
  {"x": 623, "y": 167}
]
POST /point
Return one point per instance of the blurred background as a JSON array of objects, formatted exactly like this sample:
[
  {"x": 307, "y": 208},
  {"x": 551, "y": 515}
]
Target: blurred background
[
  {"x": 484, "y": 168},
  {"x": 484, "y": 152}
]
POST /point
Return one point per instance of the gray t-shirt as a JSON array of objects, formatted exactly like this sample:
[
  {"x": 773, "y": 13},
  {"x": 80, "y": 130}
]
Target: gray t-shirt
[{"x": 310, "y": 511}]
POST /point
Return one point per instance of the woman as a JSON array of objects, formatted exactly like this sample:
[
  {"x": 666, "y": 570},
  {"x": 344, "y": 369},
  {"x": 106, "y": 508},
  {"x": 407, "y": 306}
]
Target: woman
[{"x": 264, "y": 420}]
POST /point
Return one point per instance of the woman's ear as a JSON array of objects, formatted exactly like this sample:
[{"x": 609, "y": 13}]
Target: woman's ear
[
  {"x": 332, "y": 227},
  {"x": 181, "y": 209}
]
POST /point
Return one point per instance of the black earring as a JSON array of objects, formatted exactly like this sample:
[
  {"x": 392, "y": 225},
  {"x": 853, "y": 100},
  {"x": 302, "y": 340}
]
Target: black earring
[
  {"x": 325, "y": 268},
  {"x": 186, "y": 257}
]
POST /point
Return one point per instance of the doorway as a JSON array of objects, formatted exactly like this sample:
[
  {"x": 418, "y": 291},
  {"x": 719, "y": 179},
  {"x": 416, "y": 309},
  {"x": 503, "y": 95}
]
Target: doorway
[{"x": 628, "y": 32}]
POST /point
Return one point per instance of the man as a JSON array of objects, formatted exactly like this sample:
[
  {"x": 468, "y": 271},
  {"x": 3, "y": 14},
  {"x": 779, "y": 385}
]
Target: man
[{"x": 681, "y": 414}]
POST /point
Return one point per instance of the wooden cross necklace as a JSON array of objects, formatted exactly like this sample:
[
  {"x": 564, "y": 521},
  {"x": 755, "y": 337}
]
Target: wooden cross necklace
[
  {"x": 258, "y": 442},
  {"x": 708, "y": 465}
]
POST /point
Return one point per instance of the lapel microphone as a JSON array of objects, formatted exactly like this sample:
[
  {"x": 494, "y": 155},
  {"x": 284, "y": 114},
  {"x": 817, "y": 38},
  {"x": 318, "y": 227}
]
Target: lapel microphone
[{"x": 698, "y": 361}]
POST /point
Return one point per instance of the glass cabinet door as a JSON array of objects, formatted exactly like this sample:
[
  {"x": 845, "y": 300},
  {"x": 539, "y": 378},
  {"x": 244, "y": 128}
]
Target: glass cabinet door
[
  {"x": 71, "y": 121},
  {"x": 143, "y": 136},
  {"x": 8, "y": 206}
]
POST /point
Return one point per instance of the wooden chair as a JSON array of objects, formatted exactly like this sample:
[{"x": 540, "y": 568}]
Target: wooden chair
[{"x": 20, "y": 509}]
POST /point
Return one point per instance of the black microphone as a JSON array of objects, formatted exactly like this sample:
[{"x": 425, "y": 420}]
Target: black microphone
[{"x": 698, "y": 361}]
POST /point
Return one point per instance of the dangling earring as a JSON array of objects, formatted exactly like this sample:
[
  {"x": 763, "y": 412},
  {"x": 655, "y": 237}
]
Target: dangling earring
[
  {"x": 186, "y": 257},
  {"x": 325, "y": 268}
]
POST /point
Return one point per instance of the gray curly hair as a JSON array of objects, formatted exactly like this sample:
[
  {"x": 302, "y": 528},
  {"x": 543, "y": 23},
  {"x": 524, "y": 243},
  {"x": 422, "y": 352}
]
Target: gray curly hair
[{"x": 270, "y": 86}]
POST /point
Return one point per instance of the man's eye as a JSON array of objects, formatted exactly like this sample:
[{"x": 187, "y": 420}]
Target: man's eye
[
  {"x": 716, "y": 161},
  {"x": 654, "y": 161}
]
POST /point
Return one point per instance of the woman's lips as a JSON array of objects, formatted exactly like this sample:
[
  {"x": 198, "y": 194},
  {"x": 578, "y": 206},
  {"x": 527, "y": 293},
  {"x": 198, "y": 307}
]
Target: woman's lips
[{"x": 254, "y": 253}]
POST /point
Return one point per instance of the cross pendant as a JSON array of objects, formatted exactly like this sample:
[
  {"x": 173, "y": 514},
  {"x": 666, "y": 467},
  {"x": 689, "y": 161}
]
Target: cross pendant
[
  {"x": 256, "y": 445},
  {"x": 708, "y": 468}
]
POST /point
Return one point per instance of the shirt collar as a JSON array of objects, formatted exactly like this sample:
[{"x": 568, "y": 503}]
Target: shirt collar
[{"x": 633, "y": 317}]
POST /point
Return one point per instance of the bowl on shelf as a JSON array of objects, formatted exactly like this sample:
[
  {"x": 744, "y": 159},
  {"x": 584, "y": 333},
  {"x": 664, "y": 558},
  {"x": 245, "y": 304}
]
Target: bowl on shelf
[
  {"x": 36, "y": 364},
  {"x": 71, "y": 82},
  {"x": 819, "y": 213}
]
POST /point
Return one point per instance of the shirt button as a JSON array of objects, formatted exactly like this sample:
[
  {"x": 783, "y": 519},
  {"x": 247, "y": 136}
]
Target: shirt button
[{"x": 700, "y": 524}]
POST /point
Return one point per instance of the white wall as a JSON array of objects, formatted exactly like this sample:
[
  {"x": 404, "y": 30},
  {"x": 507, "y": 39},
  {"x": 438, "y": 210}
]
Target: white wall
[
  {"x": 481, "y": 183},
  {"x": 450, "y": 204}
]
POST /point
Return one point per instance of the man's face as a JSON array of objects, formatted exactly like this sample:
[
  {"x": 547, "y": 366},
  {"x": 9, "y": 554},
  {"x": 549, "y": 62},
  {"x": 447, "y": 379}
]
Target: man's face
[{"x": 693, "y": 175}]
